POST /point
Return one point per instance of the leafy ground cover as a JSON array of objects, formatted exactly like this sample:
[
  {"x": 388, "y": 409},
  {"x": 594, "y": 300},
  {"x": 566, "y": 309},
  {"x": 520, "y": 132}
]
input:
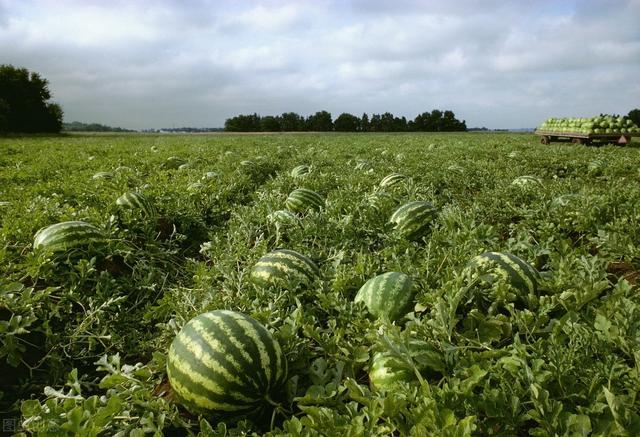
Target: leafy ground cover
[{"x": 84, "y": 333}]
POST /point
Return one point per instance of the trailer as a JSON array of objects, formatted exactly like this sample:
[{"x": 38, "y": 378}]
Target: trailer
[{"x": 547, "y": 137}]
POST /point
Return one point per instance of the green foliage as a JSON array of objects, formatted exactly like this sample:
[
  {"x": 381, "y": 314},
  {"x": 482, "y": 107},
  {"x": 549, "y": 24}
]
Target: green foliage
[
  {"x": 83, "y": 332},
  {"x": 24, "y": 105}
]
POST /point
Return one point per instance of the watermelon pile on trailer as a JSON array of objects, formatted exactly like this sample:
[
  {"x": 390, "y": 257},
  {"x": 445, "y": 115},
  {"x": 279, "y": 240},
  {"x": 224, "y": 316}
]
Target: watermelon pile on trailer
[{"x": 601, "y": 129}]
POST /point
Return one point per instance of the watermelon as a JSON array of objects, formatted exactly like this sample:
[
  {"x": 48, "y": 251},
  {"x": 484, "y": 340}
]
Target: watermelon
[
  {"x": 210, "y": 175},
  {"x": 225, "y": 362},
  {"x": 303, "y": 199},
  {"x": 173, "y": 162},
  {"x": 412, "y": 220},
  {"x": 284, "y": 217},
  {"x": 392, "y": 179},
  {"x": 363, "y": 165},
  {"x": 380, "y": 200},
  {"x": 386, "y": 371},
  {"x": 195, "y": 186},
  {"x": 137, "y": 202},
  {"x": 300, "y": 171},
  {"x": 527, "y": 180},
  {"x": 102, "y": 175},
  {"x": 284, "y": 268},
  {"x": 489, "y": 268},
  {"x": 66, "y": 235},
  {"x": 388, "y": 296}
]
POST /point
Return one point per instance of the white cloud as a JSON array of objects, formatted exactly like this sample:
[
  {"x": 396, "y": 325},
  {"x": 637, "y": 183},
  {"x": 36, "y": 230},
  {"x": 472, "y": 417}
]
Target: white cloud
[{"x": 495, "y": 63}]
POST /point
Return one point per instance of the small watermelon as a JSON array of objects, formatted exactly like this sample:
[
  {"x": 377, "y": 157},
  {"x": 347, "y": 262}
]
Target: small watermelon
[
  {"x": 386, "y": 371},
  {"x": 284, "y": 268},
  {"x": 173, "y": 163},
  {"x": 136, "y": 202},
  {"x": 412, "y": 220},
  {"x": 303, "y": 199},
  {"x": 225, "y": 362},
  {"x": 66, "y": 235},
  {"x": 527, "y": 180},
  {"x": 102, "y": 175},
  {"x": 388, "y": 296},
  {"x": 284, "y": 217},
  {"x": 300, "y": 171},
  {"x": 391, "y": 180}
]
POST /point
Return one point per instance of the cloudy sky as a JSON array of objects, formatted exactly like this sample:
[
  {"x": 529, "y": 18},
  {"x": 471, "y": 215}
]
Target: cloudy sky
[{"x": 495, "y": 63}]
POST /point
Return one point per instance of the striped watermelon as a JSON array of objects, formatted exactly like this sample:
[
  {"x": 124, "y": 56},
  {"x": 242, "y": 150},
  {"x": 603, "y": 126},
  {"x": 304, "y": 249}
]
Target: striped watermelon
[
  {"x": 456, "y": 168},
  {"x": 137, "y": 202},
  {"x": 173, "y": 162},
  {"x": 527, "y": 181},
  {"x": 102, "y": 175},
  {"x": 386, "y": 371},
  {"x": 391, "y": 180},
  {"x": 363, "y": 165},
  {"x": 491, "y": 267},
  {"x": 388, "y": 296},
  {"x": 284, "y": 268},
  {"x": 412, "y": 220},
  {"x": 284, "y": 217},
  {"x": 300, "y": 171},
  {"x": 224, "y": 361},
  {"x": 210, "y": 175},
  {"x": 303, "y": 199},
  {"x": 66, "y": 235}
]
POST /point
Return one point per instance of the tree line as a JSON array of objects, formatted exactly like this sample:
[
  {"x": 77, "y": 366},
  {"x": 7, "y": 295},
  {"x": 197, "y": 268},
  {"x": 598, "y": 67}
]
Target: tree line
[
  {"x": 434, "y": 121},
  {"x": 24, "y": 102}
]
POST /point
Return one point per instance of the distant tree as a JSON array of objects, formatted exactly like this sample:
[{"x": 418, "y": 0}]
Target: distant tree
[
  {"x": 634, "y": 115},
  {"x": 243, "y": 123},
  {"x": 291, "y": 122},
  {"x": 346, "y": 123},
  {"x": 364, "y": 123},
  {"x": 375, "y": 125},
  {"x": 24, "y": 105},
  {"x": 320, "y": 121},
  {"x": 438, "y": 121},
  {"x": 270, "y": 123}
]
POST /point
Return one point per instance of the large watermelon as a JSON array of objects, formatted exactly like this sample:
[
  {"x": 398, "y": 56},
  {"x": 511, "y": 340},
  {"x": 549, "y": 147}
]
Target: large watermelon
[
  {"x": 302, "y": 199},
  {"x": 224, "y": 361},
  {"x": 136, "y": 202},
  {"x": 284, "y": 268},
  {"x": 412, "y": 220},
  {"x": 388, "y": 296},
  {"x": 66, "y": 235}
]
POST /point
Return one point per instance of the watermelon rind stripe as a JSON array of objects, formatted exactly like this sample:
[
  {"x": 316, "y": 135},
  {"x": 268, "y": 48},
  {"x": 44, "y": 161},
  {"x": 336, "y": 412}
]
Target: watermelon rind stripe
[
  {"x": 517, "y": 274},
  {"x": 244, "y": 332},
  {"x": 65, "y": 235},
  {"x": 387, "y": 295},
  {"x": 211, "y": 354},
  {"x": 199, "y": 401},
  {"x": 269, "y": 350},
  {"x": 224, "y": 361}
]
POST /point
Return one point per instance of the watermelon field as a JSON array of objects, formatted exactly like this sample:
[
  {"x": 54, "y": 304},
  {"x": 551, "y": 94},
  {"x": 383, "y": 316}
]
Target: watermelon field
[{"x": 319, "y": 284}]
